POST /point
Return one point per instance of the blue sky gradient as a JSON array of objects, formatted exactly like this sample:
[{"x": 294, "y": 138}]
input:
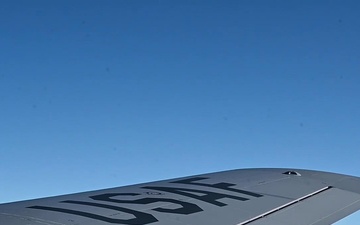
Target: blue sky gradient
[{"x": 97, "y": 94}]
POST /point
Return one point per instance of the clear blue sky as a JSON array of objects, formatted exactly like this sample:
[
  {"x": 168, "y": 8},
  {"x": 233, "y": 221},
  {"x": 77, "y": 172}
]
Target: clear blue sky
[{"x": 97, "y": 94}]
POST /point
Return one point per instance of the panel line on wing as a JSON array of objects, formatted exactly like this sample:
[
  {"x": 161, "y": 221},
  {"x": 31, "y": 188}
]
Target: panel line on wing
[
  {"x": 32, "y": 219},
  {"x": 285, "y": 205}
]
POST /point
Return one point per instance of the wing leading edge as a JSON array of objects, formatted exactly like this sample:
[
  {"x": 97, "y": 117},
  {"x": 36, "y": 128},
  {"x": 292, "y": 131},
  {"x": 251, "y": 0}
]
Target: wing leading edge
[{"x": 237, "y": 197}]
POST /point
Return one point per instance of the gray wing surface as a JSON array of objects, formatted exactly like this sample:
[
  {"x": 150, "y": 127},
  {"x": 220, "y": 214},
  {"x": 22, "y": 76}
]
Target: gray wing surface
[{"x": 237, "y": 197}]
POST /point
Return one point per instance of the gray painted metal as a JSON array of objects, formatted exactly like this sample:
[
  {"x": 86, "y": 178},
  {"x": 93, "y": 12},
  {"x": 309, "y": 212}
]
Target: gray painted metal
[{"x": 237, "y": 197}]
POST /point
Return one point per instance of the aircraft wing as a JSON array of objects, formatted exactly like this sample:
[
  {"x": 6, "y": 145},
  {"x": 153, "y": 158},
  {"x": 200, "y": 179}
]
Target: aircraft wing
[{"x": 237, "y": 197}]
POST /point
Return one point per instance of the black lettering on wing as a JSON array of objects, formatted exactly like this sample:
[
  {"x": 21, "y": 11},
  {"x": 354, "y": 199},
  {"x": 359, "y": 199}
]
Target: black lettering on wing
[
  {"x": 222, "y": 186},
  {"x": 140, "y": 217},
  {"x": 205, "y": 196},
  {"x": 186, "y": 207}
]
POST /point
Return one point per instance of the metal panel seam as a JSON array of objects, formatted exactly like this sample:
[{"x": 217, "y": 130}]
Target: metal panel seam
[{"x": 284, "y": 206}]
